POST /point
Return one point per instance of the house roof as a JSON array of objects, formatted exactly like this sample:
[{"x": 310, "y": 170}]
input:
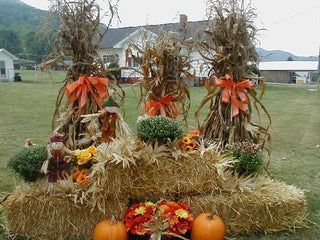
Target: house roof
[
  {"x": 116, "y": 35},
  {"x": 2, "y": 50},
  {"x": 20, "y": 61},
  {"x": 289, "y": 65}
]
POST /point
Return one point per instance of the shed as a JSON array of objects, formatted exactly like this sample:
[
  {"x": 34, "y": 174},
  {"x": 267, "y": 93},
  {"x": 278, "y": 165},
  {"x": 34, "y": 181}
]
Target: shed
[
  {"x": 6, "y": 65},
  {"x": 288, "y": 71}
]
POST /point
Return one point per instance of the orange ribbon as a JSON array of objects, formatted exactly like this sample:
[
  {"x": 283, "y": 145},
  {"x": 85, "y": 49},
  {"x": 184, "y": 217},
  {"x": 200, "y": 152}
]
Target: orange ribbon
[
  {"x": 162, "y": 107},
  {"x": 85, "y": 85},
  {"x": 234, "y": 93}
]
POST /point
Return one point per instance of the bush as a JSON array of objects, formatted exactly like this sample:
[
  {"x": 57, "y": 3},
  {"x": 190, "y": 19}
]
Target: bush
[
  {"x": 28, "y": 161},
  {"x": 249, "y": 156},
  {"x": 158, "y": 128}
]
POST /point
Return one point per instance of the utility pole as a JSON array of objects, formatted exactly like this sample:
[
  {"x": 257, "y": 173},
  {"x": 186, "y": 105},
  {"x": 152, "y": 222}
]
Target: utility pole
[
  {"x": 319, "y": 60},
  {"x": 318, "y": 68}
]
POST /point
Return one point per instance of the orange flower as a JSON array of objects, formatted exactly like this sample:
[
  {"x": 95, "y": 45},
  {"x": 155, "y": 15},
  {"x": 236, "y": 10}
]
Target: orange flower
[
  {"x": 138, "y": 216},
  {"x": 76, "y": 174},
  {"x": 195, "y": 132},
  {"x": 81, "y": 177},
  {"x": 141, "y": 216}
]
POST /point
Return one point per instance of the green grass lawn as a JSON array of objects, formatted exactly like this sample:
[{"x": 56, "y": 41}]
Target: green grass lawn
[{"x": 26, "y": 108}]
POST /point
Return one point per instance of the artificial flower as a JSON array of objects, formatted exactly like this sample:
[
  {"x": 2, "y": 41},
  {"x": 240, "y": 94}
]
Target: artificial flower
[
  {"x": 81, "y": 177},
  {"x": 83, "y": 158},
  {"x": 86, "y": 155},
  {"x": 140, "y": 210},
  {"x": 92, "y": 150},
  {"x": 164, "y": 216},
  {"x": 181, "y": 213}
]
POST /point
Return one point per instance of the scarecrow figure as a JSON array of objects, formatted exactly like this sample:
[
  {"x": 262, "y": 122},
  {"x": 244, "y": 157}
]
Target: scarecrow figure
[
  {"x": 110, "y": 118},
  {"x": 57, "y": 167}
]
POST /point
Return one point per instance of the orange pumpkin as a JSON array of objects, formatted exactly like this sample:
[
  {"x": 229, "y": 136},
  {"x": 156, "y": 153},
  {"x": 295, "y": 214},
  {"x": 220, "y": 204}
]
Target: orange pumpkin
[
  {"x": 110, "y": 230},
  {"x": 208, "y": 226}
]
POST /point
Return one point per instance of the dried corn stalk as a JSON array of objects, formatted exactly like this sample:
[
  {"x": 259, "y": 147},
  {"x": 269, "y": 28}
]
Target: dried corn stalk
[
  {"x": 227, "y": 45},
  {"x": 78, "y": 42},
  {"x": 165, "y": 68}
]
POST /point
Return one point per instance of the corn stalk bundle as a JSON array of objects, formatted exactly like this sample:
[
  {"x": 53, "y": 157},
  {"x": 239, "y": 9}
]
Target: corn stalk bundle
[
  {"x": 227, "y": 45},
  {"x": 78, "y": 42},
  {"x": 165, "y": 68}
]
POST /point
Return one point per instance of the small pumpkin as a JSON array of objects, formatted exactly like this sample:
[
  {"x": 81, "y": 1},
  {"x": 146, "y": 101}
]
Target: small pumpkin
[
  {"x": 110, "y": 230},
  {"x": 208, "y": 226}
]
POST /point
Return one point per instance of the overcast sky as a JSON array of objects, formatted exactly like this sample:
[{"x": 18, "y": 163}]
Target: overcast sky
[{"x": 291, "y": 25}]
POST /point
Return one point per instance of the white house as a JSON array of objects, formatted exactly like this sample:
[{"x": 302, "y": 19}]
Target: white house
[
  {"x": 6, "y": 65},
  {"x": 117, "y": 40}
]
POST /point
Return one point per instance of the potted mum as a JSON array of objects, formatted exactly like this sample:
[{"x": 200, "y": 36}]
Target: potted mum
[{"x": 161, "y": 220}]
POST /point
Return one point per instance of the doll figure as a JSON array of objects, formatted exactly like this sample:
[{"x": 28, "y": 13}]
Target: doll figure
[
  {"x": 58, "y": 167},
  {"x": 110, "y": 118}
]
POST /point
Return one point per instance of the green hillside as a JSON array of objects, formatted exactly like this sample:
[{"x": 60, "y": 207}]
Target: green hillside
[
  {"x": 17, "y": 15},
  {"x": 20, "y": 30}
]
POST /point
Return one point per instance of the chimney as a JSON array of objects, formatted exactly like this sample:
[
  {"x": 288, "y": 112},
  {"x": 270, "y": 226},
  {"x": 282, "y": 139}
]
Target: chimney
[{"x": 183, "y": 21}]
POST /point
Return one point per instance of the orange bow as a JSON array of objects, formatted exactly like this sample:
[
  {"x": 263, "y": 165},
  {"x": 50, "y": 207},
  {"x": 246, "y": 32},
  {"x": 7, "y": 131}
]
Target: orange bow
[
  {"x": 162, "y": 107},
  {"x": 234, "y": 93},
  {"x": 85, "y": 85}
]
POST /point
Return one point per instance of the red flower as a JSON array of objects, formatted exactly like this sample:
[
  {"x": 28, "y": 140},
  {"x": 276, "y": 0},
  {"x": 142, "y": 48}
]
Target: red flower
[{"x": 140, "y": 218}]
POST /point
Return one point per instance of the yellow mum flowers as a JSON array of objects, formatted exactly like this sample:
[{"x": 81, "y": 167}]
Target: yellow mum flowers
[{"x": 85, "y": 155}]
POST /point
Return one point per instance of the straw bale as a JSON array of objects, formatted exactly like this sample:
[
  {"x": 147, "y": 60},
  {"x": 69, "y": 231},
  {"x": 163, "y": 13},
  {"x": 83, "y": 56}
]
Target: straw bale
[
  {"x": 268, "y": 206},
  {"x": 273, "y": 206},
  {"x": 166, "y": 177},
  {"x": 54, "y": 217}
]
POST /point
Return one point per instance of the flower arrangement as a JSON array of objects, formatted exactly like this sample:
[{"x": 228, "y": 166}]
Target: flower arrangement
[
  {"x": 166, "y": 217},
  {"x": 189, "y": 141},
  {"x": 84, "y": 158},
  {"x": 86, "y": 155}
]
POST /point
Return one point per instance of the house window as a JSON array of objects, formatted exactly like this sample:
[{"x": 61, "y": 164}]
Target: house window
[
  {"x": 104, "y": 58},
  {"x": 2, "y": 68},
  {"x": 132, "y": 62},
  {"x": 109, "y": 58}
]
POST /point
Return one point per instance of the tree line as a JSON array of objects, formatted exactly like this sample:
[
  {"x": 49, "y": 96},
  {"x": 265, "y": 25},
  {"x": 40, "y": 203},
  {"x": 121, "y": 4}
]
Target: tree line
[
  {"x": 20, "y": 30},
  {"x": 33, "y": 45}
]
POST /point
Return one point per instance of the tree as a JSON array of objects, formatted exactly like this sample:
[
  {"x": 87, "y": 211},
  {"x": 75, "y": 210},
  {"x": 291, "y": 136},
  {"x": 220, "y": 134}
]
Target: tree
[
  {"x": 290, "y": 59},
  {"x": 36, "y": 46},
  {"x": 10, "y": 41}
]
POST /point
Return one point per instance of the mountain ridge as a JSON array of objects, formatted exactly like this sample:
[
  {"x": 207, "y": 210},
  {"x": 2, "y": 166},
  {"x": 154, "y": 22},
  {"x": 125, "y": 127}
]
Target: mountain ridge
[
  {"x": 19, "y": 17},
  {"x": 280, "y": 55}
]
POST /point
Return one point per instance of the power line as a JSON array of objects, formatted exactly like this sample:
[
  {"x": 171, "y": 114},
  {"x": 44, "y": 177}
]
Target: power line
[{"x": 295, "y": 15}]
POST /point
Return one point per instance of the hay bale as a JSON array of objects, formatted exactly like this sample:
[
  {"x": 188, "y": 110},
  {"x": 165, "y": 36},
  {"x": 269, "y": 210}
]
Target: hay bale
[
  {"x": 270, "y": 206},
  {"x": 273, "y": 206},
  {"x": 54, "y": 217},
  {"x": 166, "y": 177}
]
